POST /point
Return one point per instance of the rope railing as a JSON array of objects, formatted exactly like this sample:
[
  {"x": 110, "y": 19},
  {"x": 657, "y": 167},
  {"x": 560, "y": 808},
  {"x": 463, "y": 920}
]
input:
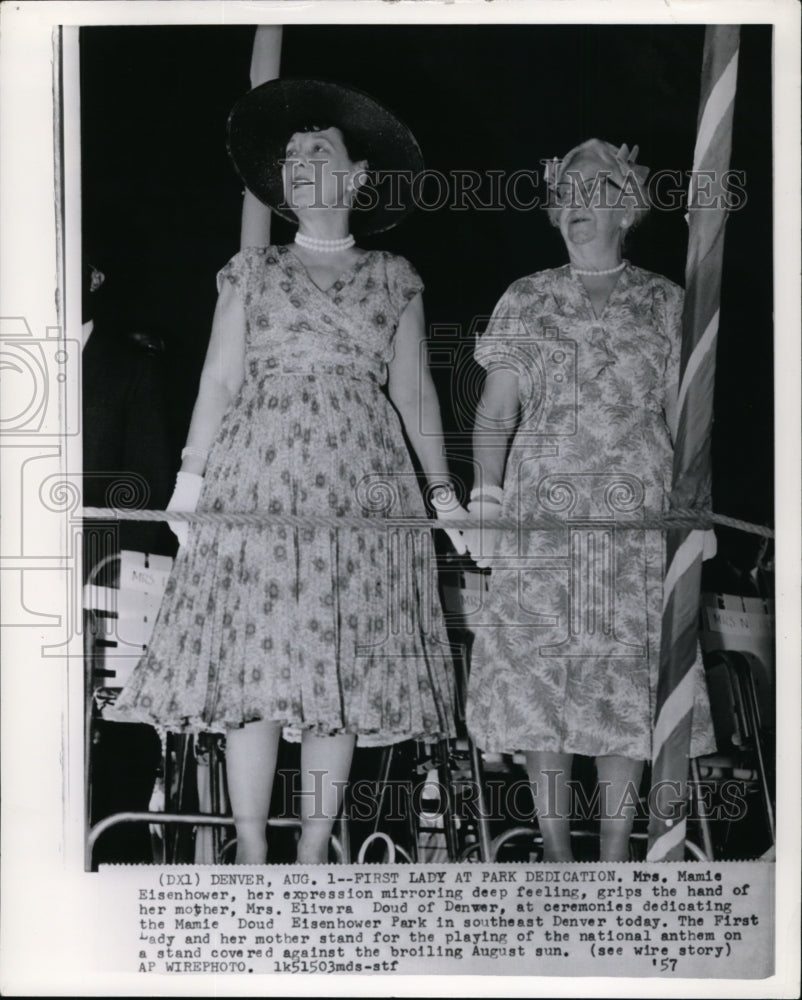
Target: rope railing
[{"x": 544, "y": 521}]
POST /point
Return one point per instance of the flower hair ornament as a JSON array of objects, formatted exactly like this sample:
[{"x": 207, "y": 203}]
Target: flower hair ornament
[
  {"x": 619, "y": 161},
  {"x": 626, "y": 158}
]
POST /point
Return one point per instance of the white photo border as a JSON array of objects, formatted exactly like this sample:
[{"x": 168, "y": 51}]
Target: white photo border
[{"x": 49, "y": 904}]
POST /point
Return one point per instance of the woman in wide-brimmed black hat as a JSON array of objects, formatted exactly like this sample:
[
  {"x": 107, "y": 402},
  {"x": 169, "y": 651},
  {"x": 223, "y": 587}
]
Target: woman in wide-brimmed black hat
[{"x": 336, "y": 634}]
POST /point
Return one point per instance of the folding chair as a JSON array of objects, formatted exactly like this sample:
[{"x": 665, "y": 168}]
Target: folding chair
[
  {"x": 737, "y": 637},
  {"x": 121, "y": 602}
]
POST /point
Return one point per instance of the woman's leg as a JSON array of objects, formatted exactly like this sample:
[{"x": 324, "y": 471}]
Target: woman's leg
[
  {"x": 251, "y": 754},
  {"x": 325, "y": 767},
  {"x": 619, "y": 778},
  {"x": 550, "y": 774}
]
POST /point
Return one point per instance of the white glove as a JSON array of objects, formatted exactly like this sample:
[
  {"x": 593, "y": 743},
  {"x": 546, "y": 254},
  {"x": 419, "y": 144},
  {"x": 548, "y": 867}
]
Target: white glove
[
  {"x": 446, "y": 508},
  {"x": 482, "y": 541},
  {"x": 188, "y": 486}
]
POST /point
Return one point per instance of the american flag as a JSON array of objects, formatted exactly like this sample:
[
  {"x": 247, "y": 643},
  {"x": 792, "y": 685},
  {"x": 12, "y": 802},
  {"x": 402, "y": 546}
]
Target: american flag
[{"x": 692, "y": 466}]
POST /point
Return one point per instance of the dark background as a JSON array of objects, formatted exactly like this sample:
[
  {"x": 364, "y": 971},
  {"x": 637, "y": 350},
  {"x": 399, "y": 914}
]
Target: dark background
[{"x": 161, "y": 202}]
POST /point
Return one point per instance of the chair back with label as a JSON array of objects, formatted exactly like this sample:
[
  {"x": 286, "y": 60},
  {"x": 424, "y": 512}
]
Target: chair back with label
[
  {"x": 121, "y": 612},
  {"x": 737, "y": 638}
]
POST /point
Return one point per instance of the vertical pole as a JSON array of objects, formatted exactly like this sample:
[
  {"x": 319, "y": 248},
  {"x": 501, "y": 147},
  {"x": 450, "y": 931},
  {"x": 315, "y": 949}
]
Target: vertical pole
[
  {"x": 265, "y": 62},
  {"x": 692, "y": 466}
]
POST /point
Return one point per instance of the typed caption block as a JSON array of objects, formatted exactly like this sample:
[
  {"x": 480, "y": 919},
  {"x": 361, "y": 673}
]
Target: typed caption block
[{"x": 693, "y": 920}]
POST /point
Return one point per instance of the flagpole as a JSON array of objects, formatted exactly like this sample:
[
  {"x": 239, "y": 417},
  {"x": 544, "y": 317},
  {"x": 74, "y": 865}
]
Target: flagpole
[
  {"x": 692, "y": 465},
  {"x": 265, "y": 63}
]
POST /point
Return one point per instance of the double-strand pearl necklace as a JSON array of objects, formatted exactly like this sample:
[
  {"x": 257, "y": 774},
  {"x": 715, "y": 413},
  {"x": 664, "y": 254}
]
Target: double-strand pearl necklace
[
  {"x": 609, "y": 270},
  {"x": 324, "y": 246}
]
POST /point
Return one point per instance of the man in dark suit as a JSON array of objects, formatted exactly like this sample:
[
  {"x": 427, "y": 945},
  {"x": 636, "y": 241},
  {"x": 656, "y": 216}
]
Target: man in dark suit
[{"x": 127, "y": 463}]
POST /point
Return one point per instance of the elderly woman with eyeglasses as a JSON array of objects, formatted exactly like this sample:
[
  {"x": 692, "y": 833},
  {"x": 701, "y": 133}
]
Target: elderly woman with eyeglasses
[{"x": 576, "y": 420}]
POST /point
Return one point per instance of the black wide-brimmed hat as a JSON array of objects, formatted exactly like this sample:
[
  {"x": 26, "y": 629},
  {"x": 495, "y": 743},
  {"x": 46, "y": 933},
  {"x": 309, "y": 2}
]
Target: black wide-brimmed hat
[{"x": 262, "y": 122}]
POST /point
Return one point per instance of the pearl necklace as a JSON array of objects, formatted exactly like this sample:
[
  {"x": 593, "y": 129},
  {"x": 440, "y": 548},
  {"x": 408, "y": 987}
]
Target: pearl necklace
[
  {"x": 609, "y": 270},
  {"x": 324, "y": 246}
]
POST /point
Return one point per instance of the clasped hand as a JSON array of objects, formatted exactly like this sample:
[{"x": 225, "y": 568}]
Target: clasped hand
[
  {"x": 447, "y": 508},
  {"x": 481, "y": 542}
]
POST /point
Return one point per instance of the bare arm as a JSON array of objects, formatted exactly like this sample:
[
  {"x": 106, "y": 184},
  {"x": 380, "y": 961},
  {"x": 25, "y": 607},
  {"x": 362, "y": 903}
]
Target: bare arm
[
  {"x": 222, "y": 375},
  {"x": 496, "y": 419},
  {"x": 412, "y": 392}
]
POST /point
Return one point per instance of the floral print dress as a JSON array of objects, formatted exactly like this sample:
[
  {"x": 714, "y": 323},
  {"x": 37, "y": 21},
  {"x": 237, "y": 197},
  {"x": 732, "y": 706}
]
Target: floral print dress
[
  {"x": 322, "y": 629},
  {"x": 567, "y": 644}
]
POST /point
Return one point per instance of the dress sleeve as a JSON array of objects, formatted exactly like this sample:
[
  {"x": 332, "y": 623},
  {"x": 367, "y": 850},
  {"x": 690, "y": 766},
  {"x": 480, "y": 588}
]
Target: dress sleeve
[
  {"x": 236, "y": 271},
  {"x": 403, "y": 282},
  {"x": 504, "y": 329}
]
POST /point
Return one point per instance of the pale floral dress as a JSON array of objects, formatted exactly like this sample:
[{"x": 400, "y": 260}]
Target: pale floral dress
[
  {"x": 324, "y": 630},
  {"x": 567, "y": 642}
]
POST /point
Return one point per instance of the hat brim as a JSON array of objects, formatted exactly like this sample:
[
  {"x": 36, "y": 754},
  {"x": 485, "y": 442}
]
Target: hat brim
[{"x": 263, "y": 120}]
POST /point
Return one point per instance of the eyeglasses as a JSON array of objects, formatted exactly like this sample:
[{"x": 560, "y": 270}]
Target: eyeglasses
[{"x": 576, "y": 192}]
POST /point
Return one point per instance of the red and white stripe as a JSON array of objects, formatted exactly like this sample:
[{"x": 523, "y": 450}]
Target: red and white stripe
[{"x": 691, "y": 474}]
